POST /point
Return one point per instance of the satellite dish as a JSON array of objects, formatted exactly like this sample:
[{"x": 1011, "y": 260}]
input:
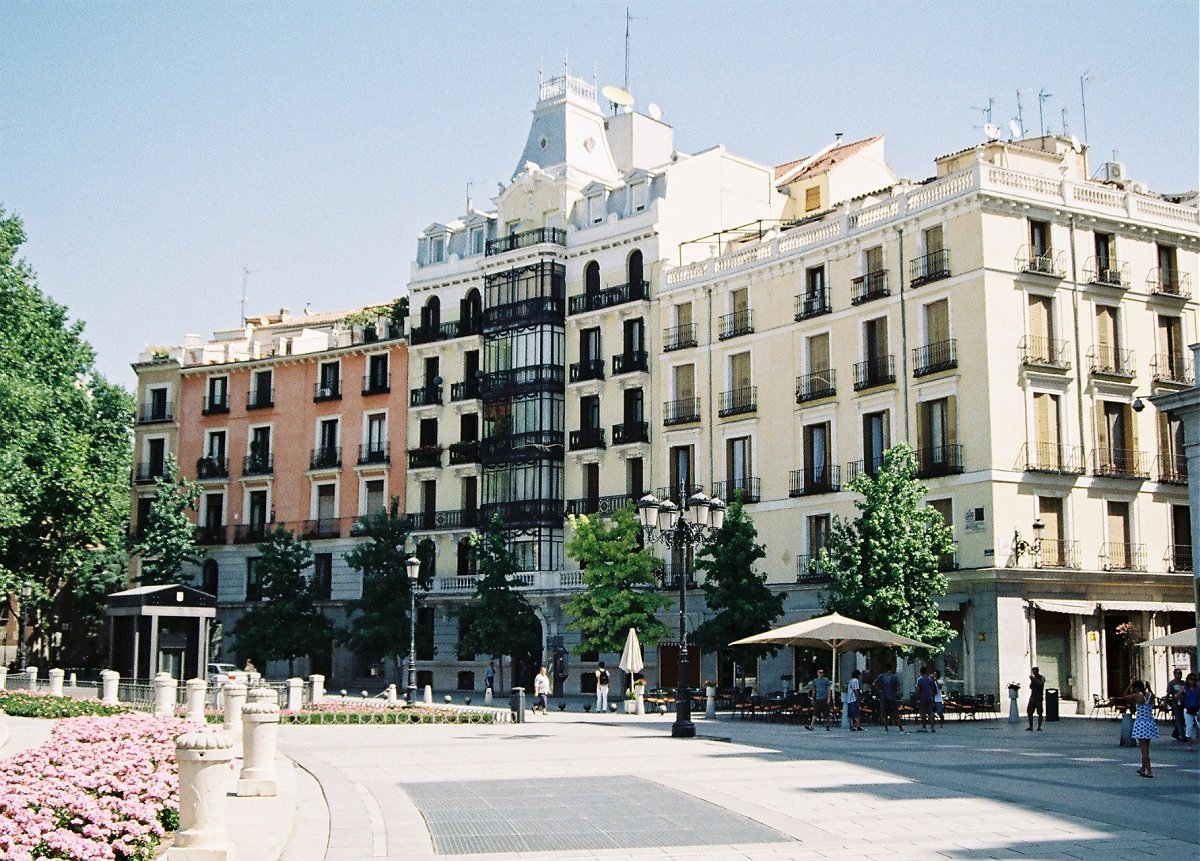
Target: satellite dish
[
  {"x": 654, "y": 111},
  {"x": 992, "y": 131},
  {"x": 1076, "y": 145},
  {"x": 617, "y": 95},
  {"x": 1015, "y": 128}
]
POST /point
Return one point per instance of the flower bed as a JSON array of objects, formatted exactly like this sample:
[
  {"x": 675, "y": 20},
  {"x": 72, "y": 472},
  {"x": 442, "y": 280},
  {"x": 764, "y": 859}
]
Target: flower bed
[
  {"x": 354, "y": 713},
  {"x": 42, "y": 705},
  {"x": 100, "y": 788}
]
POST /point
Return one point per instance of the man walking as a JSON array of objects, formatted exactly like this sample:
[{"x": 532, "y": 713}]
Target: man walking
[
  {"x": 602, "y": 681},
  {"x": 821, "y": 690},
  {"x": 541, "y": 691},
  {"x": 1175, "y": 698},
  {"x": 926, "y": 688},
  {"x": 489, "y": 677},
  {"x": 887, "y": 684},
  {"x": 1037, "y": 684}
]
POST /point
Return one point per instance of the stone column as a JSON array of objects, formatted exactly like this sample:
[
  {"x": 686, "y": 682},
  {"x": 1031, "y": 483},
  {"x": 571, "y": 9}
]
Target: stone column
[
  {"x": 197, "y": 693},
  {"x": 3, "y": 677},
  {"x": 710, "y": 703},
  {"x": 318, "y": 689},
  {"x": 295, "y": 694},
  {"x": 429, "y": 695},
  {"x": 260, "y": 724},
  {"x": 203, "y": 759},
  {"x": 56, "y": 682},
  {"x": 235, "y": 698},
  {"x": 110, "y": 682},
  {"x": 165, "y": 690}
]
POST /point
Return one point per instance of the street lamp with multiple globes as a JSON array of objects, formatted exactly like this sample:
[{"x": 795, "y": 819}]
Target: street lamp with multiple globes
[
  {"x": 413, "y": 565},
  {"x": 665, "y": 523}
]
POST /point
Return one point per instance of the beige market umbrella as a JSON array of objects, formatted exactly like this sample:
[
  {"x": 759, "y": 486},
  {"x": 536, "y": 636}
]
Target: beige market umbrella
[
  {"x": 631, "y": 657},
  {"x": 1180, "y": 640}
]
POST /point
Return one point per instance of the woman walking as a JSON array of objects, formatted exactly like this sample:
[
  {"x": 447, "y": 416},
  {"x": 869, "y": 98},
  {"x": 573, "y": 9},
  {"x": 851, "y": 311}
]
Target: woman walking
[{"x": 1145, "y": 727}]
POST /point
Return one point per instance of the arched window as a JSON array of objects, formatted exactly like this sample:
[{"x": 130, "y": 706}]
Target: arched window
[
  {"x": 208, "y": 581},
  {"x": 471, "y": 313},
  {"x": 466, "y": 561},
  {"x": 427, "y": 553},
  {"x": 431, "y": 314},
  {"x": 634, "y": 267},
  {"x": 591, "y": 277}
]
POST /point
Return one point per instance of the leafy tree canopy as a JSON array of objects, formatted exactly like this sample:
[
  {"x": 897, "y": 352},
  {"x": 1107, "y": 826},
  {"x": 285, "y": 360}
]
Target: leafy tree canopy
[
  {"x": 168, "y": 538},
  {"x": 734, "y": 590},
  {"x": 499, "y": 621},
  {"x": 885, "y": 564},
  {"x": 618, "y": 576}
]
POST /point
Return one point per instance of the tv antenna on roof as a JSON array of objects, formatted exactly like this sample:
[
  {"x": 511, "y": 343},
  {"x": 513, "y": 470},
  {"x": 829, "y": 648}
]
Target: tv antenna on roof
[
  {"x": 987, "y": 112},
  {"x": 1021, "y": 112},
  {"x": 1042, "y": 97},
  {"x": 992, "y": 131},
  {"x": 617, "y": 96},
  {"x": 246, "y": 273}
]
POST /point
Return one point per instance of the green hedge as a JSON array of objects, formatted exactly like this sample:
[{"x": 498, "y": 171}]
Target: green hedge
[{"x": 20, "y": 704}]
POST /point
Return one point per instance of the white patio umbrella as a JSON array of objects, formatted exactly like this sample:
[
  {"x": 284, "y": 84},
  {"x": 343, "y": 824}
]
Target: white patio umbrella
[
  {"x": 1179, "y": 639},
  {"x": 631, "y": 657}
]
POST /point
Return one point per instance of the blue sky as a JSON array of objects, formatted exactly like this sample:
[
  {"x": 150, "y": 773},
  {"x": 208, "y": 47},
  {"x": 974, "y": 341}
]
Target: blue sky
[{"x": 155, "y": 149}]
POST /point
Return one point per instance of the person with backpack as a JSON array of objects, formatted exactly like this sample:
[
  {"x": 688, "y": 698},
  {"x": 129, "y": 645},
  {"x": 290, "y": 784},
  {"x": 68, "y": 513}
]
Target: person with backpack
[{"x": 602, "y": 682}]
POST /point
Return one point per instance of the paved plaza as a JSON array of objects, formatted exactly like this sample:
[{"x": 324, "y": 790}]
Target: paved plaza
[{"x": 576, "y": 786}]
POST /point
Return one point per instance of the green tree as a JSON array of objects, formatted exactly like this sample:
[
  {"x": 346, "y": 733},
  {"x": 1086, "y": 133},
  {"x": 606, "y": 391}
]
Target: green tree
[
  {"x": 379, "y": 622},
  {"x": 734, "y": 590},
  {"x": 64, "y": 453},
  {"x": 168, "y": 538},
  {"x": 618, "y": 576},
  {"x": 884, "y": 565},
  {"x": 499, "y": 621},
  {"x": 287, "y": 624}
]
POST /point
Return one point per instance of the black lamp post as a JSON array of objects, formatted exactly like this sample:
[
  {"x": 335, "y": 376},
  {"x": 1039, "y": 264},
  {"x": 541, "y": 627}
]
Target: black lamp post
[
  {"x": 23, "y": 615},
  {"x": 1020, "y": 546},
  {"x": 413, "y": 566},
  {"x": 665, "y": 523}
]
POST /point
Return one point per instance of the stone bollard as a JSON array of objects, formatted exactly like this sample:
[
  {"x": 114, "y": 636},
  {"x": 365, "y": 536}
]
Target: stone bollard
[
  {"x": 110, "y": 683},
  {"x": 391, "y": 693},
  {"x": 710, "y": 703},
  {"x": 260, "y": 724},
  {"x": 3, "y": 677},
  {"x": 1014, "y": 712},
  {"x": 72, "y": 682},
  {"x": 166, "y": 689},
  {"x": 295, "y": 694},
  {"x": 1127, "y": 730},
  {"x": 235, "y": 698},
  {"x": 429, "y": 695},
  {"x": 32, "y": 671},
  {"x": 318, "y": 689},
  {"x": 56, "y": 682},
  {"x": 487, "y": 696},
  {"x": 641, "y": 700},
  {"x": 197, "y": 693},
  {"x": 203, "y": 759}
]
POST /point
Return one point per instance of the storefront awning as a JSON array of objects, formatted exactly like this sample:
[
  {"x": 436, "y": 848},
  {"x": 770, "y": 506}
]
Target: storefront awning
[
  {"x": 1073, "y": 608},
  {"x": 1153, "y": 606}
]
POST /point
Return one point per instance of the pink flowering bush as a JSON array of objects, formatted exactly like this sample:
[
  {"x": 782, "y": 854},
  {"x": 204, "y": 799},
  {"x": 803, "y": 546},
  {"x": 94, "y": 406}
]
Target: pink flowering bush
[{"x": 100, "y": 788}]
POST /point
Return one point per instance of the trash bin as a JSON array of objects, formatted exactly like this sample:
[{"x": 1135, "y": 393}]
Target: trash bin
[
  {"x": 516, "y": 704},
  {"x": 1051, "y": 703}
]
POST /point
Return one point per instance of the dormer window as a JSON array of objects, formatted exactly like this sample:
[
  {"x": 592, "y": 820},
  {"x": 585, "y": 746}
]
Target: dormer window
[
  {"x": 595, "y": 209},
  {"x": 478, "y": 238},
  {"x": 637, "y": 192},
  {"x": 437, "y": 249}
]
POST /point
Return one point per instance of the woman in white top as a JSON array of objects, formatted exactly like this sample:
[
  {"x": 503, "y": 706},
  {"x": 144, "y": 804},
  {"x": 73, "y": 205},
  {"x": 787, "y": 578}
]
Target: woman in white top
[{"x": 939, "y": 696}]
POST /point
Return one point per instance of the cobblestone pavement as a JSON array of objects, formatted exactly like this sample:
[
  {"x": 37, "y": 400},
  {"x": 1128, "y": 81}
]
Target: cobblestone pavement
[{"x": 613, "y": 787}]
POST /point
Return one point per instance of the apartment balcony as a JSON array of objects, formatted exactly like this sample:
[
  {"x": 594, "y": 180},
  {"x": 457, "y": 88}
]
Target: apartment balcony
[
  {"x": 214, "y": 406},
  {"x": 876, "y": 371},
  {"x": 678, "y": 493},
  {"x": 737, "y": 323},
  {"x": 1170, "y": 283},
  {"x": 928, "y": 268},
  {"x": 258, "y": 464},
  {"x": 817, "y": 385},
  {"x": 608, "y": 297},
  {"x": 330, "y": 391},
  {"x": 149, "y": 414},
  {"x": 1040, "y": 352},
  {"x": 602, "y": 505},
  {"x": 815, "y": 480},
  {"x": 325, "y": 457},
  {"x": 525, "y": 312},
  {"x": 377, "y": 384},
  {"x": 940, "y": 356},
  {"x": 374, "y": 453},
  {"x": 526, "y": 239},
  {"x": 467, "y": 390},
  {"x": 679, "y": 337},
  {"x": 948, "y": 562},
  {"x": 744, "y": 489},
  {"x": 425, "y": 396},
  {"x": 374, "y": 332},
  {"x": 211, "y": 535},
  {"x": 810, "y": 570},
  {"x": 628, "y": 432},
  {"x": 260, "y": 399},
  {"x": 1122, "y": 556},
  {"x": 251, "y": 533},
  {"x": 518, "y": 381},
  {"x": 1172, "y": 370},
  {"x": 681, "y": 411},
  {"x": 938, "y": 460},
  {"x": 586, "y": 438},
  {"x": 1106, "y": 273},
  {"x": 524, "y": 513},
  {"x": 1053, "y": 457},
  {"x": 812, "y": 304},
  {"x": 1121, "y": 463},
  {"x": 525, "y": 445},
  {"x": 444, "y": 332},
  {"x": 433, "y": 521},
  {"x": 628, "y": 363},
  {"x": 1179, "y": 559},
  {"x": 1172, "y": 468},
  {"x": 212, "y": 467},
  {"x": 1055, "y": 553},
  {"x": 1111, "y": 362},
  {"x": 1040, "y": 262},
  {"x": 425, "y": 457},
  {"x": 328, "y": 527},
  {"x": 867, "y": 466},
  {"x": 738, "y": 401},
  {"x": 868, "y": 287},
  {"x": 463, "y": 452},
  {"x": 589, "y": 369}
]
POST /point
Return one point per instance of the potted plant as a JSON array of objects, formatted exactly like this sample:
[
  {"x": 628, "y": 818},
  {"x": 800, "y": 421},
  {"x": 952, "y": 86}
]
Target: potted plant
[{"x": 630, "y": 702}]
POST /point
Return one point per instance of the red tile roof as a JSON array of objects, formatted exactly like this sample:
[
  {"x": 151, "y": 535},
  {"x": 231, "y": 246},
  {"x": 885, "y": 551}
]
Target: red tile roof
[{"x": 825, "y": 161}]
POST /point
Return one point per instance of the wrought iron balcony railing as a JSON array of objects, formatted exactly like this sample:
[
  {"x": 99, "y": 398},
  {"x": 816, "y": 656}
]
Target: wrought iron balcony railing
[
  {"x": 588, "y": 369},
  {"x": 604, "y": 505},
  {"x": 251, "y": 533},
  {"x": 515, "y": 381},
  {"x": 525, "y": 445},
  {"x": 152, "y": 413},
  {"x": 1169, "y": 282},
  {"x": 1123, "y": 556},
  {"x": 466, "y": 451},
  {"x": 745, "y": 489},
  {"x": 1110, "y": 361},
  {"x": 330, "y": 390},
  {"x": 586, "y": 438},
  {"x": 738, "y": 401},
  {"x": 876, "y": 371},
  {"x": 1172, "y": 468},
  {"x": 737, "y": 323},
  {"x": 374, "y": 452},
  {"x": 525, "y": 239},
  {"x": 455, "y": 518},
  {"x": 930, "y": 267},
  {"x": 467, "y": 390},
  {"x": 524, "y": 512},
  {"x": 627, "y": 363},
  {"x": 869, "y": 466},
  {"x": 1056, "y": 553},
  {"x": 681, "y": 411},
  {"x": 940, "y": 356},
  {"x": 1041, "y": 352},
  {"x": 1053, "y": 457},
  {"x": 608, "y": 297},
  {"x": 377, "y": 384},
  {"x": 1121, "y": 463},
  {"x": 259, "y": 399},
  {"x": 425, "y": 396},
  {"x": 1171, "y": 369},
  {"x": 214, "y": 405},
  {"x": 677, "y": 493},
  {"x": 325, "y": 457},
  {"x": 1106, "y": 273},
  {"x": 628, "y": 432},
  {"x": 872, "y": 285},
  {"x": 814, "y": 480},
  {"x": 1179, "y": 558},
  {"x": 809, "y": 569},
  {"x": 211, "y": 534},
  {"x": 679, "y": 337},
  {"x": 425, "y": 457},
  {"x": 1040, "y": 262},
  {"x": 211, "y": 466},
  {"x": 258, "y": 464},
  {"x": 817, "y": 385},
  {"x": 326, "y": 527},
  {"x": 812, "y": 304},
  {"x": 936, "y": 460}
]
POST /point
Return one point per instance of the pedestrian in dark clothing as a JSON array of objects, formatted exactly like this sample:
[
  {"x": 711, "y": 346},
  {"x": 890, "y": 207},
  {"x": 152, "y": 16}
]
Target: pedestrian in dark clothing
[
  {"x": 1037, "y": 684},
  {"x": 887, "y": 684},
  {"x": 926, "y": 689},
  {"x": 1175, "y": 699}
]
